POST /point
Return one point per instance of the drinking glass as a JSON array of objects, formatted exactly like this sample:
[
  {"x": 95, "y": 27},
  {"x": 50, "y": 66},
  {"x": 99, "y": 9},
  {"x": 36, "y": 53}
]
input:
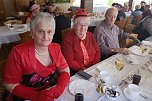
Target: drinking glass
[
  {"x": 119, "y": 64},
  {"x": 79, "y": 94}
]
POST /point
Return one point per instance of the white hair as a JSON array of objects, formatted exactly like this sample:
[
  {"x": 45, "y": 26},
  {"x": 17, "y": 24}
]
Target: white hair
[
  {"x": 76, "y": 20},
  {"x": 42, "y": 17}
]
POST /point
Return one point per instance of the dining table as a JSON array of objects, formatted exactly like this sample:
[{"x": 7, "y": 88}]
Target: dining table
[
  {"x": 149, "y": 38},
  {"x": 136, "y": 62},
  {"x": 8, "y": 35}
]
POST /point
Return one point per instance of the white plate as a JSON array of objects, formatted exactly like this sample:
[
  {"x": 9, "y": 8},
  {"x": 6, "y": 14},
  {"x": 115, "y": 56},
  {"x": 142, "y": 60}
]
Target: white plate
[
  {"x": 132, "y": 59},
  {"x": 138, "y": 98},
  {"x": 81, "y": 84}
]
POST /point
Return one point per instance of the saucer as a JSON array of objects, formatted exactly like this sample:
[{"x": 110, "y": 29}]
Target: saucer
[
  {"x": 132, "y": 59},
  {"x": 81, "y": 84},
  {"x": 126, "y": 93}
]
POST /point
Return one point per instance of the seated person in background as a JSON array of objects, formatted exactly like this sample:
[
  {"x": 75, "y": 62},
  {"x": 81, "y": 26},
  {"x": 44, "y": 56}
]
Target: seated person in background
[
  {"x": 45, "y": 5},
  {"x": 108, "y": 35},
  {"x": 79, "y": 46},
  {"x": 137, "y": 11},
  {"x": 144, "y": 28},
  {"x": 31, "y": 67},
  {"x": 127, "y": 9},
  {"x": 147, "y": 11},
  {"x": 51, "y": 8},
  {"x": 143, "y": 3},
  {"x": 62, "y": 22},
  {"x": 121, "y": 13},
  {"x": 33, "y": 11}
]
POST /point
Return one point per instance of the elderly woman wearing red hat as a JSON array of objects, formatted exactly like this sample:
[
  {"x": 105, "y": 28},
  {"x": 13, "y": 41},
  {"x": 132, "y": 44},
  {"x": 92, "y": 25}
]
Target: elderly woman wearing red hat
[
  {"x": 33, "y": 11},
  {"x": 79, "y": 46}
]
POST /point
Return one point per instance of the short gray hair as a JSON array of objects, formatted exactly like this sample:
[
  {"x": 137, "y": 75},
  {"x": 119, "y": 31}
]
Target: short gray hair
[
  {"x": 137, "y": 7},
  {"x": 40, "y": 17},
  {"x": 75, "y": 21}
]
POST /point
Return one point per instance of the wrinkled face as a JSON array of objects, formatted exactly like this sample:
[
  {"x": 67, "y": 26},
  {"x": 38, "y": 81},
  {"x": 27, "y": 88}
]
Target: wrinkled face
[
  {"x": 81, "y": 26},
  {"x": 43, "y": 34},
  {"x": 110, "y": 17}
]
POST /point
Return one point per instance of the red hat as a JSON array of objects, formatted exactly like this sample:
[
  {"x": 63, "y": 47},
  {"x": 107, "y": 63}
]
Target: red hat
[{"x": 81, "y": 12}]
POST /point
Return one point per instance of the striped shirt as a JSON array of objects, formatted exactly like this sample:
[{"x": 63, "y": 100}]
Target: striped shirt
[{"x": 108, "y": 37}]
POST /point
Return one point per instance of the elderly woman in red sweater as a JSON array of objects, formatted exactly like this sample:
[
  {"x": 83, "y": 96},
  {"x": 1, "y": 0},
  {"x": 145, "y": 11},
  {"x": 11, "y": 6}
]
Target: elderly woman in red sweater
[
  {"x": 31, "y": 68},
  {"x": 79, "y": 46}
]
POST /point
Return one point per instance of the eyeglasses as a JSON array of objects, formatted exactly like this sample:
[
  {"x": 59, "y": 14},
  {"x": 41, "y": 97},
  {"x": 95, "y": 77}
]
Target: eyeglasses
[{"x": 81, "y": 25}]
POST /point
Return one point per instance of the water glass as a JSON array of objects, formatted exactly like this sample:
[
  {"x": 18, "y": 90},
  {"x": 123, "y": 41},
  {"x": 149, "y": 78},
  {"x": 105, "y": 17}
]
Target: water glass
[{"x": 79, "y": 94}]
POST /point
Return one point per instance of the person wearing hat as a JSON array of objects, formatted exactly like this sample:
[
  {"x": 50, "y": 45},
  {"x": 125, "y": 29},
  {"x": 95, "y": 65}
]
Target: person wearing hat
[
  {"x": 143, "y": 3},
  {"x": 35, "y": 8},
  {"x": 79, "y": 46},
  {"x": 108, "y": 35},
  {"x": 137, "y": 11}
]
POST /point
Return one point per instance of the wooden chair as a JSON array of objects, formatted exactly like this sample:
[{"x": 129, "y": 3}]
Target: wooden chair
[
  {"x": 25, "y": 36},
  {"x": 2, "y": 65},
  {"x": 129, "y": 20},
  {"x": 65, "y": 31},
  {"x": 130, "y": 42},
  {"x": 138, "y": 19},
  {"x": 129, "y": 28},
  {"x": 121, "y": 24}
]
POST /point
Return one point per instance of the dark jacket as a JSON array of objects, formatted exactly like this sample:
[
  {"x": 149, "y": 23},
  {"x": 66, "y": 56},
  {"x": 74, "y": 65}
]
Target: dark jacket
[{"x": 62, "y": 22}]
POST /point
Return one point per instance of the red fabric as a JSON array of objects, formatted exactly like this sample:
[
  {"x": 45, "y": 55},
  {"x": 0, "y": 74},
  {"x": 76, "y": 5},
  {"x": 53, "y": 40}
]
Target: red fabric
[
  {"x": 30, "y": 94},
  {"x": 72, "y": 51},
  {"x": 22, "y": 60},
  {"x": 30, "y": 15},
  {"x": 85, "y": 54},
  {"x": 24, "y": 92},
  {"x": 63, "y": 81}
]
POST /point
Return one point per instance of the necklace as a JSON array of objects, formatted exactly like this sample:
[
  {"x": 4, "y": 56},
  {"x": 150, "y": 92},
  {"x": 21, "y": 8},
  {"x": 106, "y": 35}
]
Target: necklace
[{"x": 41, "y": 53}]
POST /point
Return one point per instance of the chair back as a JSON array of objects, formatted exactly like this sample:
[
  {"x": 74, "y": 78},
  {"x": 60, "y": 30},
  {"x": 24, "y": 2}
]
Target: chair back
[
  {"x": 130, "y": 42},
  {"x": 65, "y": 31},
  {"x": 129, "y": 28},
  {"x": 2, "y": 66},
  {"x": 129, "y": 20},
  {"x": 25, "y": 36},
  {"x": 121, "y": 24},
  {"x": 138, "y": 19}
]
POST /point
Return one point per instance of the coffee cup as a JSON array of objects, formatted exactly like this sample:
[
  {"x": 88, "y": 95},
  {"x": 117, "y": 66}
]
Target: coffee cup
[{"x": 134, "y": 90}]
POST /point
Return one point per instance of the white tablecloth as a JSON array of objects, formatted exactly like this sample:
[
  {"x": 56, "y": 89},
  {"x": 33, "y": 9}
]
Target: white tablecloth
[
  {"x": 109, "y": 65},
  {"x": 149, "y": 38},
  {"x": 11, "y": 35}
]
